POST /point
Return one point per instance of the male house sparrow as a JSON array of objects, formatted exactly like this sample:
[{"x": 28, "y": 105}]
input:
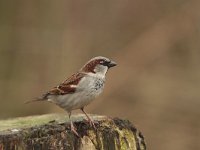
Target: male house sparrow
[{"x": 81, "y": 88}]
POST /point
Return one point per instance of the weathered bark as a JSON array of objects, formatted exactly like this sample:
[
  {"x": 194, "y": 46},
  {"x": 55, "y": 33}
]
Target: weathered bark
[{"x": 52, "y": 131}]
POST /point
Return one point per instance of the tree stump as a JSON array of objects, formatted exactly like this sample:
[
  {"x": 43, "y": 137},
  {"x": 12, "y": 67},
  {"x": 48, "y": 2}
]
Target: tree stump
[{"x": 52, "y": 131}]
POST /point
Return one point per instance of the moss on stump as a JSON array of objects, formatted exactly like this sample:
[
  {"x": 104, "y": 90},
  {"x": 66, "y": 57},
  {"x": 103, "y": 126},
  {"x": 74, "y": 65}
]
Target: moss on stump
[{"x": 52, "y": 131}]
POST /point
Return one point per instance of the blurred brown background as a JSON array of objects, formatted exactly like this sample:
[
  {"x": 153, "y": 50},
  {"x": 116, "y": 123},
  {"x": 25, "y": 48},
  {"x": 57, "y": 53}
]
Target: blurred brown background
[{"x": 156, "y": 44}]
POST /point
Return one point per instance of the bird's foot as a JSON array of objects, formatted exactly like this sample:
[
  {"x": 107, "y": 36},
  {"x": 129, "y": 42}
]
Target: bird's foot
[
  {"x": 91, "y": 123},
  {"x": 74, "y": 130}
]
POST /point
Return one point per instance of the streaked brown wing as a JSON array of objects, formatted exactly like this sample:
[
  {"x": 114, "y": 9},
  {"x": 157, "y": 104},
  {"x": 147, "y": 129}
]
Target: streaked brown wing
[{"x": 67, "y": 87}]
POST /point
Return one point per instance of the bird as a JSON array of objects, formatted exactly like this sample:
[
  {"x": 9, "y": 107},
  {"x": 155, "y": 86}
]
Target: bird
[{"x": 80, "y": 89}]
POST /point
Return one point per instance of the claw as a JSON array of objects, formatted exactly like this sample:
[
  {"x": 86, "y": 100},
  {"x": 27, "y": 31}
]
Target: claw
[
  {"x": 91, "y": 123},
  {"x": 73, "y": 129}
]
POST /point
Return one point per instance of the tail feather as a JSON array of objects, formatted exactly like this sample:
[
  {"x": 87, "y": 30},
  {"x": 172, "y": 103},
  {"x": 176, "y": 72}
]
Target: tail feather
[{"x": 35, "y": 100}]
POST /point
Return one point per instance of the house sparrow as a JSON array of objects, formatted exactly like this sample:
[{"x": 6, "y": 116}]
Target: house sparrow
[{"x": 81, "y": 88}]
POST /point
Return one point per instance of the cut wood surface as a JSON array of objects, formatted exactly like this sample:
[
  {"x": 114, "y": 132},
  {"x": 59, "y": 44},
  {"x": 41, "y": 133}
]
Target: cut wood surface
[{"x": 52, "y": 131}]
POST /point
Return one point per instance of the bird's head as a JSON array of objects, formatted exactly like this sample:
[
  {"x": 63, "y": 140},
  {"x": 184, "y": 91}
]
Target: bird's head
[{"x": 98, "y": 65}]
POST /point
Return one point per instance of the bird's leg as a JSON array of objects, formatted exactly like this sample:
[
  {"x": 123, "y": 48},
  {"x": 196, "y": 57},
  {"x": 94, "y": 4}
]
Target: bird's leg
[
  {"x": 91, "y": 122},
  {"x": 73, "y": 129}
]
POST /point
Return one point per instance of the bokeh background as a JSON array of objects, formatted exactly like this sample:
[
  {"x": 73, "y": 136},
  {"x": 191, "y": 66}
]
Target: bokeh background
[{"x": 156, "y": 44}]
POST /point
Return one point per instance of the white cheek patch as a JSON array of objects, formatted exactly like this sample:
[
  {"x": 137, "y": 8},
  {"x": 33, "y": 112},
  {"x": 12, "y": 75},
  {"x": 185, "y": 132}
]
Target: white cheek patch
[
  {"x": 73, "y": 86},
  {"x": 101, "y": 70}
]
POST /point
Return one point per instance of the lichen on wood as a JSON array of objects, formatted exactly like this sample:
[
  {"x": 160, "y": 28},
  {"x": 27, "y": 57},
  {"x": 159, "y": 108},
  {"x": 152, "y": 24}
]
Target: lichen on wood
[{"x": 52, "y": 131}]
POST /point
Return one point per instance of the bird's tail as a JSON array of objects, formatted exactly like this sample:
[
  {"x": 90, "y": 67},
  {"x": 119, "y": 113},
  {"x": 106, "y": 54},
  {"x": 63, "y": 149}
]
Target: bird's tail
[{"x": 35, "y": 100}]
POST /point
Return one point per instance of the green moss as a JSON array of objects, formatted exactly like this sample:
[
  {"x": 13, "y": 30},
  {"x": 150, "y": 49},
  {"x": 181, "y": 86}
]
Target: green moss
[
  {"x": 127, "y": 139},
  {"x": 31, "y": 121},
  {"x": 112, "y": 136}
]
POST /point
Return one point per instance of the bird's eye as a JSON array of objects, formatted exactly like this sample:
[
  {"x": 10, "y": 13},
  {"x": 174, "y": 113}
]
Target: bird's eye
[{"x": 102, "y": 62}]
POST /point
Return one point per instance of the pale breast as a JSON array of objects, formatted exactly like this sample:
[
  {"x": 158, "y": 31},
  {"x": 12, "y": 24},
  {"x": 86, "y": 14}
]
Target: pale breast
[
  {"x": 92, "y": 87},
  {"x": 98, "y": 84},
  {"x": 89, "y": 88}
]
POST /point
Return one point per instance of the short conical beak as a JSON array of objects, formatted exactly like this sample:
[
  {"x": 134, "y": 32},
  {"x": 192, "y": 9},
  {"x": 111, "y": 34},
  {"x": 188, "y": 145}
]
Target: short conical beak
[{"x": 112, "y": 64}]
